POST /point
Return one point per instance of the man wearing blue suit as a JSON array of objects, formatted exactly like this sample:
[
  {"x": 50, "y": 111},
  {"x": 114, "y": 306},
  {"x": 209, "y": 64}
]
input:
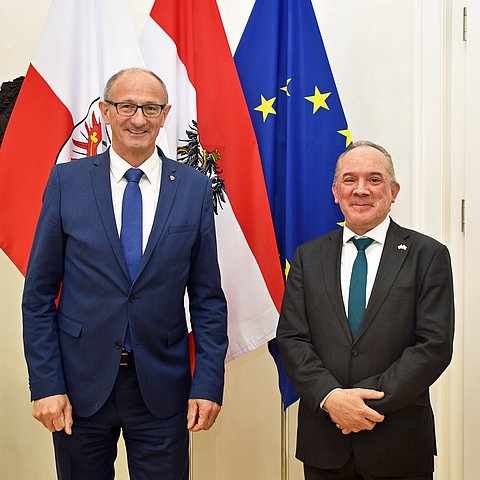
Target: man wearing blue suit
[
  {"x": 113, "y": 355},
  {"x": 363, "y": 345}
]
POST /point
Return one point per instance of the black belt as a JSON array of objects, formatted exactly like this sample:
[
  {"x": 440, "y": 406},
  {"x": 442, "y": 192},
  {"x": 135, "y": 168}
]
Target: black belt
[{"x": 126, "y": 358}]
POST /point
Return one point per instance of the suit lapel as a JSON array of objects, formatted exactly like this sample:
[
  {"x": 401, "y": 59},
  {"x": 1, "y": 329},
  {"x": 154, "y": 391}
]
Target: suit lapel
[
  {"x": 100, "y": 174},
  {"x": 395, "y": 251},
  {"x": 103, "y": 194},
  {"x": 168, "y": 190},
  {"x": 331, "y": 261}
]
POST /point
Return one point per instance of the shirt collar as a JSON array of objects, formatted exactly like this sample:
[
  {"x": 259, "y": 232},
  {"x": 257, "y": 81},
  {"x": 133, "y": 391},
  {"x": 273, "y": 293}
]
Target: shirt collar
[
  {"x": 150, "y": 167},
  {"x": 378, "y": 233}
]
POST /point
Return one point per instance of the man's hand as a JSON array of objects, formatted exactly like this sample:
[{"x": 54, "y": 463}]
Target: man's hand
[
  {"x": 54, "y": 412},
  {"x": 349, "y": 412},
  {"x": 201, "y": 414}
]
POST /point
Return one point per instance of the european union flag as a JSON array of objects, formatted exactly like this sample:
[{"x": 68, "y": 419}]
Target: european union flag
[{"x": 299, "y": 123}]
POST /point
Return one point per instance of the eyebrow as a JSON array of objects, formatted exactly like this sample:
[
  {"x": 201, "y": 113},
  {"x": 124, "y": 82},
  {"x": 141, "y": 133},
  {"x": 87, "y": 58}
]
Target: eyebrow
[{"x": 346, "y": 174}]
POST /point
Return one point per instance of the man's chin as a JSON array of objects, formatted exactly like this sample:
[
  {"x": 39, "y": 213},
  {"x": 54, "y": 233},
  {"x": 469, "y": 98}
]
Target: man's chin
[
  {"x": 360, "y": 224},
  {"x": 138, "y": 145}
]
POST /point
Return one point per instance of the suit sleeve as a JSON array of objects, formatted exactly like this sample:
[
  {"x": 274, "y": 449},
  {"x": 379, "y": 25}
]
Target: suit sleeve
[
  {"x": 423, "y": 362},
  {"x": 42, "y": 286},
  {"x": 302, "y": 364},
  {"x": 208, "y": 310}
]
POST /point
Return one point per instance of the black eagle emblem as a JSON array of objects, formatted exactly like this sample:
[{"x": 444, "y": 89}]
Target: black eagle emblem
[{"x": 204, "y": 161}]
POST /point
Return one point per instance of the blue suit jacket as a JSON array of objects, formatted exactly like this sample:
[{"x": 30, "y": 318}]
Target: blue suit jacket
[{"x": 75, "y": 348}]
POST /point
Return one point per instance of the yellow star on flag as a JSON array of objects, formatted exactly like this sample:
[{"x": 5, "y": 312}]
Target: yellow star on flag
[
  {"x": 348, "y": 136},
  {"x": 285, "y": 88},
  {"x": 318, "y": 99},
  {"x": 266, "y": 107},
  {"x": 287, "y": 268}
]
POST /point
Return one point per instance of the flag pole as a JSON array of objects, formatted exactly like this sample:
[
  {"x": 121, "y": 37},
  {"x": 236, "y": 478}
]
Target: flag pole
[
  {"x": 190, "y": 456},
  {"x": 284, "y": 442}
]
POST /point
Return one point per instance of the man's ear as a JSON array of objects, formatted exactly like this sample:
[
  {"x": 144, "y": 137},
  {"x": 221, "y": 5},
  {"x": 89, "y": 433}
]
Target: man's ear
[
  {"x": 395, "y": 190},
  {"x": 334, "y": 191},
  {"x": 104, "y": 110},
  {"x": 165, "y": 113}
]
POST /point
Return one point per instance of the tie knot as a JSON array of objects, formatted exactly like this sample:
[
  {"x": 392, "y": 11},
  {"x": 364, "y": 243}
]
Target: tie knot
[
  {"x": 362, "y": 243},
  {"x": 133, "y": 175}
]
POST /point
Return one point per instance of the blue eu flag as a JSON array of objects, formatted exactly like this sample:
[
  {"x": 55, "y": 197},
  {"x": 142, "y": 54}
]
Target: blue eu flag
[{"x": 299, "y": 124}]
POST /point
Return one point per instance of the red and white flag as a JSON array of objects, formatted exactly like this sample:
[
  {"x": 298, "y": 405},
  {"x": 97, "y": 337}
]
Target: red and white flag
[
  {"x": 184, "y": 42},
  {"x": 56, "y": 116}
]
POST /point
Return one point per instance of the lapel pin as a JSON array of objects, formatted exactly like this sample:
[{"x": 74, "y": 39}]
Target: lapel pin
[
  {"x": 172, "y": 178},
  {"x": 402, "y": 247}
]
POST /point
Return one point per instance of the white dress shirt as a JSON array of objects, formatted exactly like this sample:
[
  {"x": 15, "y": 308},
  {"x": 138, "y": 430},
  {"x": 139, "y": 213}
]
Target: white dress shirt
[
  {"x": 349, "y": 253},
  {"x": 373, "y": 254},
  {"x": 149, "y": 186}
]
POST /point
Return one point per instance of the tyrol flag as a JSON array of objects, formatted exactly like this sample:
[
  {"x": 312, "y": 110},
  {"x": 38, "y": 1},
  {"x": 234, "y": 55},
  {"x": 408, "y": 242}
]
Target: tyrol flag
[
  {"x": 209, "y": 128},
  {"x": 299, "y": 125},
  {"x": 56, "y": 116}
]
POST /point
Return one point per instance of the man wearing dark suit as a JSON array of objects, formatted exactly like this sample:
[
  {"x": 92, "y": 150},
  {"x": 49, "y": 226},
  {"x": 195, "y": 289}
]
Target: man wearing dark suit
[
  {"x": 114, "y": 356},
  {"x": 364, "y": 408}
]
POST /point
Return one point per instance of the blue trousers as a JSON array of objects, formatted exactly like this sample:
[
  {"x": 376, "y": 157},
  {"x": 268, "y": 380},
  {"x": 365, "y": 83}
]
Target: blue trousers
[{"x": 157, "y": 448}]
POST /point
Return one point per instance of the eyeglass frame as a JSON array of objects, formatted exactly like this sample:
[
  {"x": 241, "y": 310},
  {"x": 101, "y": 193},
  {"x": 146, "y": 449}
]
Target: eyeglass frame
[{"x": 115, "y": 104}]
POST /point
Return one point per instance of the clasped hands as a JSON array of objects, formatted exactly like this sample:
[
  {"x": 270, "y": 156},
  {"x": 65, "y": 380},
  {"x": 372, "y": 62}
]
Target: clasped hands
[
  {"x": 55, "y": 413},
  {"x": 347, "y": 409}
]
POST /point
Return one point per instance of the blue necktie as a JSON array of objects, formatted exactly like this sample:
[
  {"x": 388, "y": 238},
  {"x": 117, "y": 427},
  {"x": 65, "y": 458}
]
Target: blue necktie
[
  {"x": 358, "y": 286},
  {"x": 131, "y": 232}
]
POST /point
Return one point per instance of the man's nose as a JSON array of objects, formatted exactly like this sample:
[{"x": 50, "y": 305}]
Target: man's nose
[
  {"x": 361, "y": 188},
  {"x": 138, "y": 117}
]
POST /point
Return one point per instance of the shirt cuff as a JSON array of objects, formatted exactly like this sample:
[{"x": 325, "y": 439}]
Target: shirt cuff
[{"x": 322, "y": 403}]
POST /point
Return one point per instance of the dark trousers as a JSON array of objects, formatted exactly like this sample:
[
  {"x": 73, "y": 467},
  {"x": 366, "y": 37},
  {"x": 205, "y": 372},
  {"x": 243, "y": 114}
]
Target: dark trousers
[
  {"x": 349, "y": 472},
  {"x": 157, "y": 448}
]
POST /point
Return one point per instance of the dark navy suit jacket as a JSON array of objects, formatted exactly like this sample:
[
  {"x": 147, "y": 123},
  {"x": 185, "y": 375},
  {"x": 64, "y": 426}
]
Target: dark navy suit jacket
[
  {"x": 404, "y": 343},
  {"x": 75, "y": 348}
]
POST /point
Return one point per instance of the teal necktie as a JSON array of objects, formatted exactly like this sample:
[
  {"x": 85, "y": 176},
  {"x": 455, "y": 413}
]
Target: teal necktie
[{"x": 358, "y": 286}]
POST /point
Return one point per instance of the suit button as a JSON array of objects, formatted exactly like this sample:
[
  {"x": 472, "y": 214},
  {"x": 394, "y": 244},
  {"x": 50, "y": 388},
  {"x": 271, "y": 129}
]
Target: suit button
[
  {"x": 354, "y": 353},
  {"x": 118, "y": 344},
  {"x": 131, "y": 298}
]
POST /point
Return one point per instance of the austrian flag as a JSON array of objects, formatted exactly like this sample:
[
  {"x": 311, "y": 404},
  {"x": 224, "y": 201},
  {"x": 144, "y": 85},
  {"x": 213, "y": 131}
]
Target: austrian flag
[{"x": 209, "y": 127}]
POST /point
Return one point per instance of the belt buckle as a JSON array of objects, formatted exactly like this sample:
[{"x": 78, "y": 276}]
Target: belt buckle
[{"x": 125, "y": 358}]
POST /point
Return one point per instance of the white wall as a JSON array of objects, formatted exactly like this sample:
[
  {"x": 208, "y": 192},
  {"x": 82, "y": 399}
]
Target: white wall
[
  {"x": 471, "y": 418},
  {"x": 401, "y": 71}
]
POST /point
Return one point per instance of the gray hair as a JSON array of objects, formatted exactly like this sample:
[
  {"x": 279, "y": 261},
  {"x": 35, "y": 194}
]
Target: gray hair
[
  {"x": 367, "y": 143},
  {"x": 111, "y": 81}
]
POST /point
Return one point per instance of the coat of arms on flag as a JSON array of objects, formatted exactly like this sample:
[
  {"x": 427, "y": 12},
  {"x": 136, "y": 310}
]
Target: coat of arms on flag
[{"x": 89, "y": 137}]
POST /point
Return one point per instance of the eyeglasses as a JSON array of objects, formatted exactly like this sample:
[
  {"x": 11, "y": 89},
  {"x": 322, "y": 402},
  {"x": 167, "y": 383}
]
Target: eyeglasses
[{"x": 129, "y": 109}]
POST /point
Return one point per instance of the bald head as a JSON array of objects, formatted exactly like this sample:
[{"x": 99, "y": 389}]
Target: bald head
[{"x": 116, "y": 76}]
